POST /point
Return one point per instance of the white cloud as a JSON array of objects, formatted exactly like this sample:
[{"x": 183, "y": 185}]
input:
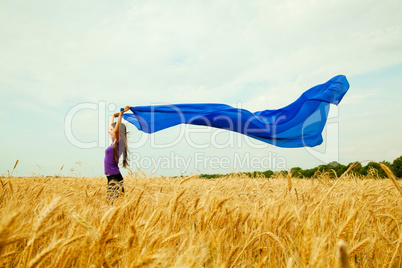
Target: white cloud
[{"x": 179, "y": 50}]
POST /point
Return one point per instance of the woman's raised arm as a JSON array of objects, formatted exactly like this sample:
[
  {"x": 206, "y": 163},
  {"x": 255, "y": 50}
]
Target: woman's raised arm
[{"x": 117, "y": 128}]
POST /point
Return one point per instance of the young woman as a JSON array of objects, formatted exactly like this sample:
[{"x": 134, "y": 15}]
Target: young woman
[{"x": 118, "y": 134}]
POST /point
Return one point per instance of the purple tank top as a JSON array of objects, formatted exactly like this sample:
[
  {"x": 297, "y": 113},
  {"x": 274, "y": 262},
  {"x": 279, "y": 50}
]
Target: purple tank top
[{"x": 111, "y": 166}]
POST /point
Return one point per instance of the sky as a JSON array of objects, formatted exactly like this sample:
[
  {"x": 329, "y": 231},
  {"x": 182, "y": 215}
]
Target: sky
[{"x": 67, "y": 66}]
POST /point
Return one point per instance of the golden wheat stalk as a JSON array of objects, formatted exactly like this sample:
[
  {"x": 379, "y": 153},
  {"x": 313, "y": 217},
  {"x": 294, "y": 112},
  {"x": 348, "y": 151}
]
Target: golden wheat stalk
[
  {"x": 397, "y": 253},
  {"x": 6, "y": 230},
  {"x": 46, "y": 214},
  {"x": 15, "y": 165},
  {"x": 188, "y": 178},
  {"x": 43, "y": 254},
  {"x": 392, "y": 177},
  {"x": 145, "y": 233},
  {"x": 171, "y": 238},
  {"x": 133, "y": 238},
  {"x": 42, "y": 233},
  {"x": 176, "y": 202},
  {"x": 289, "y": 178},
  {"x": 114, "y": 213},
  {"x": 342, "y": 254},
  {"x": 359, "y": 247},
  {"x": 230, "y": 256},
  {"x": 319, "y": 204},
  {"x": 84, "y": 223},
  {"x": 347, "y": 226},
  {"x": 269, "y": 234}
]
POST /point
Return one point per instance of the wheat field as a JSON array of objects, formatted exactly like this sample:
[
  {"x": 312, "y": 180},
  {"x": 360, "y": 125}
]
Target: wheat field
[{"x": 234, "y": 221}]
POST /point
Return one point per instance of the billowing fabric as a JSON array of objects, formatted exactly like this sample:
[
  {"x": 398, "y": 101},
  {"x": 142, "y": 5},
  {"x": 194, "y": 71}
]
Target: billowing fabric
[{"x": 299, "y": 124}]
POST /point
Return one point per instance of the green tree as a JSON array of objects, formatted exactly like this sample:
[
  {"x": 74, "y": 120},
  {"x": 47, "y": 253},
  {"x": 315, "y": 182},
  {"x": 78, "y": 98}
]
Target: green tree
[
  {"x": 366, "y": 169},
  {"x": 296, "y": 171},
  {"x": 356, "y": 169},
  {"x": 396, "y": 167},
  {"x": 268, "y": 173},
  {"x": 308, "y": 173}
]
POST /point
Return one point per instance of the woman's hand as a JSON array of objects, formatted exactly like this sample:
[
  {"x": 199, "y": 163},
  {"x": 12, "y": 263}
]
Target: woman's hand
[{"x": 124, "y": 110}]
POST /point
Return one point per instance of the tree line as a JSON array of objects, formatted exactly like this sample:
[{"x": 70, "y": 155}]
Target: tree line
[{"x": 334, "y": 169}]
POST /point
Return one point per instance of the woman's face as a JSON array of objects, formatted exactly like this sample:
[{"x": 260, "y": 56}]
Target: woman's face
[{"x": 111, "y": 132}]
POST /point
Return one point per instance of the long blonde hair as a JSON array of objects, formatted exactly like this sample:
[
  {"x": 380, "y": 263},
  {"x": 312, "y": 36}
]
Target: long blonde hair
[{"x": 121, "y": 145}]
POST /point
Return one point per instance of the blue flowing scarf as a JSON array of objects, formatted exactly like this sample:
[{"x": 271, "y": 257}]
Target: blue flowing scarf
[{"x": 299, "y": 124}]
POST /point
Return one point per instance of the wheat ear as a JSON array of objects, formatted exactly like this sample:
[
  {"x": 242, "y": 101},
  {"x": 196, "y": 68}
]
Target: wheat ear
[
  {"x": 392, "y": 177},
  {"x": 342, "y": 254},
  {"x": 360, "y": 247},
  {"x": 42, "y": 255}
]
